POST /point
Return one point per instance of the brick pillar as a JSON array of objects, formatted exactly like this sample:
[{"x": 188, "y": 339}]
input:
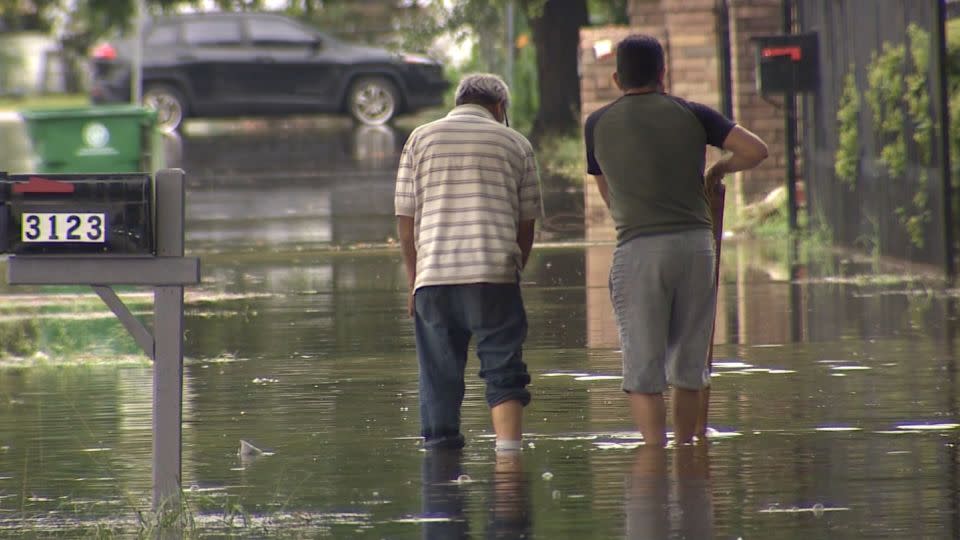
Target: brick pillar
[
  {"x": 749, "y": 18},
  {"x": 693, "y": 71},
  {"x": 647, "y": 13}
]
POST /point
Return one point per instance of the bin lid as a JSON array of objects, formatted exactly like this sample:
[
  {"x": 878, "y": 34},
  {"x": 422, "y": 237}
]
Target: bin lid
[{"x": 92, "y": 111}]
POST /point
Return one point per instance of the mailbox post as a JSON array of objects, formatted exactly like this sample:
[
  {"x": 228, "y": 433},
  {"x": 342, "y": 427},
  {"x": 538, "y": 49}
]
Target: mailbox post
[
  {"x": 104, "y": 230},
  {"x": 788, "y": 64}
]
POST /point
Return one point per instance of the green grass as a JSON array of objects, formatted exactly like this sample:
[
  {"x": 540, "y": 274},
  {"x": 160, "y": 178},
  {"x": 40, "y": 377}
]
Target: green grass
[{"x": 53, "y": 101}]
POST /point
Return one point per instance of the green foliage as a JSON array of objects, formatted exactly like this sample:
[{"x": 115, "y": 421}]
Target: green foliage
[
  {"x": 900, "y": 103},
  {"x": 604, "y": 12},
  {"x": 917, "y": 100},
  {"x": 884, "y": 94},
  {"x": 847, "y": 159},
  {"x": 563, "y": 158},
  {"x": 19, "y": 338},
  {"x": 526, "y": 99},
  {"x": 488, "y": 56},
  {"x": 9, "y": 64}
]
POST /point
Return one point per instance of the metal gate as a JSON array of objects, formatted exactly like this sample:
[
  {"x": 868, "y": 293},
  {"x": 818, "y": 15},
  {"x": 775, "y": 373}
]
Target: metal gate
[{"x": 876, "y": 149}]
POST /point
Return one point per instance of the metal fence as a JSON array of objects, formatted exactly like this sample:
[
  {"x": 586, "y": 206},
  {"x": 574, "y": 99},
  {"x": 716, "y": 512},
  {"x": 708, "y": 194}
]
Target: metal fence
[{"x": 876, "y": 158}]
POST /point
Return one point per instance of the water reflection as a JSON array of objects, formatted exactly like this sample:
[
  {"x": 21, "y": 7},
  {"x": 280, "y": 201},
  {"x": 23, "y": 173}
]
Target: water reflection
[
  {"x": 444, "y": 500},
  {"x": 511, "y": 516},
  {"x": 661, "y": 503},
  {"x": 278, "y": 188},
  {"x": 261, "y": 151},
  {"x": 836, "y": 389},
  {"x": 446, "y": 489}
]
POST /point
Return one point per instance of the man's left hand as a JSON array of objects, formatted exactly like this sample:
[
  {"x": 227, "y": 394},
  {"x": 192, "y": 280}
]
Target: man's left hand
[
  {"x": 712, "y": 179},
  {"x": 410, "y": 304}
]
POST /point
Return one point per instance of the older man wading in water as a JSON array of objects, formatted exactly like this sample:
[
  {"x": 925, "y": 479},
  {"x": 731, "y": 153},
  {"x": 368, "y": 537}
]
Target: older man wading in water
[
  {"x": 467, "y": 197},
  {"x": 646, "y": 151}
]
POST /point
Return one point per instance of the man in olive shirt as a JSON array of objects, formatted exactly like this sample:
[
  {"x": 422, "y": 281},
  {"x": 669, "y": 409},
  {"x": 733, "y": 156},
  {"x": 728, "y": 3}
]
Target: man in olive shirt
[{"x": 647, "y": 151}]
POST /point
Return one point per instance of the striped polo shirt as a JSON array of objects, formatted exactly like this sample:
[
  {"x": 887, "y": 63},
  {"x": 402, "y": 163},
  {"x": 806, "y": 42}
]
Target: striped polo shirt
[{"x": 467, "y": 181}]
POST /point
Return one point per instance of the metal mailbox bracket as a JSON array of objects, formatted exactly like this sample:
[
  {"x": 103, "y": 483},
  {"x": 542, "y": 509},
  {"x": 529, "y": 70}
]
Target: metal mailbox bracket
[{"x": 168, "y": 272}]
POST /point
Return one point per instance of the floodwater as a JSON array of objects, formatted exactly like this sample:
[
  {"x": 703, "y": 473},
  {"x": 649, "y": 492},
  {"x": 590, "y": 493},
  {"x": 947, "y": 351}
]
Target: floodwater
[{"x": 835, "y": 401}]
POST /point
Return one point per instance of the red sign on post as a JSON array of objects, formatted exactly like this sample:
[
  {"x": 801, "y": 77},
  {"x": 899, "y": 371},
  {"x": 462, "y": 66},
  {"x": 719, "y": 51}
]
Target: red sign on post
[
  {"x": 41, "y": 185},
  {"x": 794, "y": 53}
]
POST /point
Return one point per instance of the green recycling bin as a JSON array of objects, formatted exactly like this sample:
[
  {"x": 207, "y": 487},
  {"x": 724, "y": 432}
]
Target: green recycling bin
[{"x": 97, "y": 139}]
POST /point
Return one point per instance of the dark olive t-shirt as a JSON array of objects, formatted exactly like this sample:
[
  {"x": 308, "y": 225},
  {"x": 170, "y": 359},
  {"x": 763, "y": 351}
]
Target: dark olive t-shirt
[{"x": 651, "y": 148}]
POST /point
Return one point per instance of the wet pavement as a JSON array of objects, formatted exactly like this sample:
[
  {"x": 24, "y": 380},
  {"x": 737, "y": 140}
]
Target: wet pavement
[{"x": 834, "y": 402}]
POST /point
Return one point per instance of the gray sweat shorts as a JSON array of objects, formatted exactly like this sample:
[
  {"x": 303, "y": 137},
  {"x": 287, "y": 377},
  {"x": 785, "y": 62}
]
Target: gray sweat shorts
[{"x": 664, "y": 296}]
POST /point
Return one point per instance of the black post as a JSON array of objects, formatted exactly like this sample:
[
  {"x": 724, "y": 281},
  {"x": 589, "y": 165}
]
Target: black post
[
  {"x": 790, "y": 140},
  {"x": 723, "y": 49},
  {"x": 946, "y": 168}
]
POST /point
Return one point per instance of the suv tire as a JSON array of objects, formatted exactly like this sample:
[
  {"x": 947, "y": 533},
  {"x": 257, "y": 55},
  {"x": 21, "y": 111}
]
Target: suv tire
[
  {"x": 373, "y": 101},
  {"x": 169, "y": 103}
]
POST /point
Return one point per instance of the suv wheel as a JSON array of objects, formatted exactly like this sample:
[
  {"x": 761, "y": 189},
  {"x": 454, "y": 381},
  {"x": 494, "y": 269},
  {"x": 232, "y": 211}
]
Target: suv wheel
[
  {"x": 169, "y": 103},
  {"x": 373, "y": 100}
]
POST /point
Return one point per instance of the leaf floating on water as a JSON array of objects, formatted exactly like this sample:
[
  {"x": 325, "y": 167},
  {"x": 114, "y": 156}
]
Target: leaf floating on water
[
  {"x": 851, "y": 368},
  {"x": 838, "y": 428}
]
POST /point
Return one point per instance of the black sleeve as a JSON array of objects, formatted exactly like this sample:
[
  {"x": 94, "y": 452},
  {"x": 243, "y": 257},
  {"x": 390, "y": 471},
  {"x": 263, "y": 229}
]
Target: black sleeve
[
  {"x": 592, "y": 166},
  {"x": 715, "y": 124}
]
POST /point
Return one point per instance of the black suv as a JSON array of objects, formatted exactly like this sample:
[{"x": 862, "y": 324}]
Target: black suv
[{"x": 232, "y": 64}]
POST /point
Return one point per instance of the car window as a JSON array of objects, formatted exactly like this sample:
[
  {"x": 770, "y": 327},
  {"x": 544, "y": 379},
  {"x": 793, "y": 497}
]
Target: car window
[
  {"x": 162, "y": 35},
  {"x": 278, "y": 32},
  {"x": 212, "y": 32}
]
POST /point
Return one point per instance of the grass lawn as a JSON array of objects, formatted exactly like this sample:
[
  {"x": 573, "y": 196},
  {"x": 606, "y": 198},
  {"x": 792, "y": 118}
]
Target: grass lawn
[{"x": 53, "y": 101}]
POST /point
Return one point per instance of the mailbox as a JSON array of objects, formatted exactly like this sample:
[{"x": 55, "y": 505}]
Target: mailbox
[
  {"x": 77, "y": 214},
  {"x": 786, "y": 63}
]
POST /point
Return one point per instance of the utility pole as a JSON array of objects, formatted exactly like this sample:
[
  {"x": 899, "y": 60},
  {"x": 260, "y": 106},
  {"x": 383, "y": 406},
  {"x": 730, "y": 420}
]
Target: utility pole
[
  {"x": 136, "y": 71},
  {"x": 509, "y": 44}
]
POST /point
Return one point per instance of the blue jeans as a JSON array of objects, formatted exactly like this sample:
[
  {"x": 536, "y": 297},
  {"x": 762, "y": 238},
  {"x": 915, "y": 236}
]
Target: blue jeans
[{"x": 446, "y": 317}]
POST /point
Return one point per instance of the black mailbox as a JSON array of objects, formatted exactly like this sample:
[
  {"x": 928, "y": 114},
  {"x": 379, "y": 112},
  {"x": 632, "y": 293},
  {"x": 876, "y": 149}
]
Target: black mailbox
[
  {"x": 77, "y": 214},
  {"x": 786, "y": 63}
]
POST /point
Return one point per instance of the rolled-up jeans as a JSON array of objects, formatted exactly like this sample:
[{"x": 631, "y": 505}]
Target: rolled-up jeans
[{"x": 446, "y": 318}]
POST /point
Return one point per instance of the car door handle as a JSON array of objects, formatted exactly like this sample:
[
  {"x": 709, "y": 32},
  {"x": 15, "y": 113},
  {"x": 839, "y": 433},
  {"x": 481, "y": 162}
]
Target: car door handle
[
  {"x": 186, "y": 58},
  {"x": 265, "y": 59}
]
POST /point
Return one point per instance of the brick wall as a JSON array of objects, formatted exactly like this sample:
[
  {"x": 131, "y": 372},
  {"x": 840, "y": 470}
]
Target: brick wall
[
  {"x": 693, "y": 69},
  {"x": 749, "y": 18}
]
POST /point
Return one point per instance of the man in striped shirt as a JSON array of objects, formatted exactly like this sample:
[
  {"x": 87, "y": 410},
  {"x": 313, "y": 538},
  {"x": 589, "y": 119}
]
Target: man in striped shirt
[{"x": 466, "y": 201}]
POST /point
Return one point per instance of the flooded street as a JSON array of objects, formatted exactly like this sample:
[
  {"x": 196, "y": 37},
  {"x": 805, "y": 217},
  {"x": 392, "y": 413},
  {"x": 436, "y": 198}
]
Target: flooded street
[{"x": 835, "y": 396}]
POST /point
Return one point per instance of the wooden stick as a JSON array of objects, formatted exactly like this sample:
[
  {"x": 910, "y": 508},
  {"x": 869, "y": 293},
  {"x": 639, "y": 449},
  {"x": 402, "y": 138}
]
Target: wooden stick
[{"x": 717, "y": 200}]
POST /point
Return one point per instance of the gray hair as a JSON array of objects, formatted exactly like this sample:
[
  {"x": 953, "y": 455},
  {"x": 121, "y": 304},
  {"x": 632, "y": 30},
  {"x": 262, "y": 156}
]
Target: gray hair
[{"x": 482, "y": 89}]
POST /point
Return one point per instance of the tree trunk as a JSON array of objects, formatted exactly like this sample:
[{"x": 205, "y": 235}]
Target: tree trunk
[{"x": 556, "y": 35}]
